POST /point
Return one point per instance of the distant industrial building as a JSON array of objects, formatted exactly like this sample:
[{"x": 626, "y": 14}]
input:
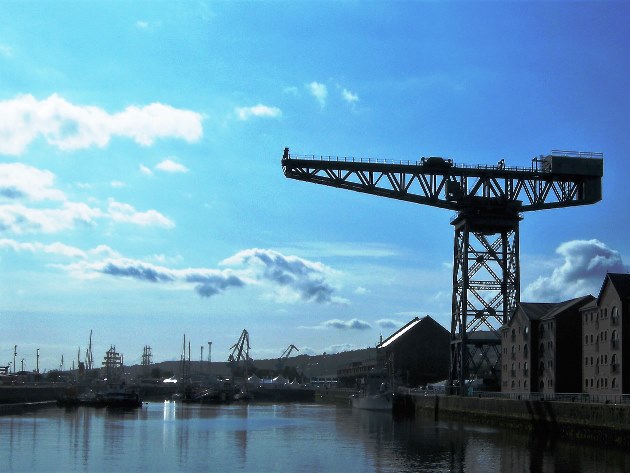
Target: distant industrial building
[
  {"x": 540, "y": 345},
  {"x": 417, "y": 354},
  {"x": 605, "y": 321}
]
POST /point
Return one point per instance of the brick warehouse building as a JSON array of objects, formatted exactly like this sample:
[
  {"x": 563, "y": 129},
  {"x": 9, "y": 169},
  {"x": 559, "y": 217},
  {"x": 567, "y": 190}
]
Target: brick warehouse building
[
  {"x": 539, "y": 347},
  {"x": 605, "y": 325}
]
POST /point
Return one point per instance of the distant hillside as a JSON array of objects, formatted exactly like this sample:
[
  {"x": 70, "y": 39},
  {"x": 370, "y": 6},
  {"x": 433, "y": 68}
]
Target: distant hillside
[{"x": 308, "y": 365}]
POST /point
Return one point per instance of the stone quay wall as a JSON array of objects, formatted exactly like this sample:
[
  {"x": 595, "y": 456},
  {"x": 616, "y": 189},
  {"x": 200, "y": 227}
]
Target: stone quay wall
[{"x": 609, "y": 423}]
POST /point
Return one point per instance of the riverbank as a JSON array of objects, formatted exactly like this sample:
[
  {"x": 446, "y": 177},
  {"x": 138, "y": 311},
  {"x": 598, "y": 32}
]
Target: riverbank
[{"x": 604, "y": 423}]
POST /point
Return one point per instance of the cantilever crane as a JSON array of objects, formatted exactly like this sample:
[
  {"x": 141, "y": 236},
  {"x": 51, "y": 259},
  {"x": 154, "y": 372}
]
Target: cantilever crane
[
  {"x": 285, "y": 355},
  {"x": 240, "y": 351},
  {"x": 489, "y": 201}
]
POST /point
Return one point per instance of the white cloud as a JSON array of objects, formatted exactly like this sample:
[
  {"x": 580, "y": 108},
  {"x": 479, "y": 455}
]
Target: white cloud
[
  {"x": 581, "y": 271},
  {"x": 253, "y": 268},
  {"x": 121, "y": 212},
  {"x": 319, "y": 91},
  {"x": 142, "y": 25},
  {"x": 70, "y": 127},
  {"x": 19, "y": 180},
  {"x": 168, "y": 165},
  {"x": 349, "y": 96},
  {"x": 295, "y": 279},
  {"x": 35, "y": 247},
  {"x": 18, "y": 218},
  {"x": 264, "y": 111},
  {"x": 145, "y": 170},
  {"x": 117, "y": 184}
]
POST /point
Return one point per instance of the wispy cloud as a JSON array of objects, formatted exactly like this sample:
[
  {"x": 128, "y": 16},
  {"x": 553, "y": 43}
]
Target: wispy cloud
[
  {"x": 319, "y": 91},
  {"x": 145, "y": 170},
  {"x": 582, "y": 268},
  {"x": 349, "y": 97},
  {"x": 121, "y": 212},
  {"x": 20, "y": 183},
  {"x": 258, "y": 111},
  {"x": 70, "y": 127},
  {"x": 389, "y": 323},
  {"x": 255, "y": 268},
  {"x": 168, "y": 165},
  {"x": 353, "y": 324}
]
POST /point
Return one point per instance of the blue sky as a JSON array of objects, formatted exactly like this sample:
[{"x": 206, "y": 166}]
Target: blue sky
[{"x": 141, "y": 193}]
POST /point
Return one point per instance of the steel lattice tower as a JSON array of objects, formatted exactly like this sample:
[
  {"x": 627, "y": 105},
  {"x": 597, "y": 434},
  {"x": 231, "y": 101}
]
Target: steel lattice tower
[{"x": 489, "y": 201}]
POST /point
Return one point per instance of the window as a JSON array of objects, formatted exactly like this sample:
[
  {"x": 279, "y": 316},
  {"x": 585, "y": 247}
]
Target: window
[
  {"x": 585, "y": 339},
  {"x": 525, "y": 350},
  {"x": 614, "y": 383},
  {"x": 586, "y": 382},
  {"x": 586, "y": 361}
]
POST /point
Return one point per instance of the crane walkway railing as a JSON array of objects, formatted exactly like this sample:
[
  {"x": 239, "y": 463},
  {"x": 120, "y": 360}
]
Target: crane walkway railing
[{"x": 408, "y": 162}]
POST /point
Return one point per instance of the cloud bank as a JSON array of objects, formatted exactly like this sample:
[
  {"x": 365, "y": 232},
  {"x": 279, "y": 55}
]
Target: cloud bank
[
  {"x": 584, "y": 263},
  {"x": 353, "y": 324},
  {"x": 47, "y": 209},
  {"x": 67, "y": 126},
  {"x": 292, "y": 279},
  {"x": 295, "y": 278}
]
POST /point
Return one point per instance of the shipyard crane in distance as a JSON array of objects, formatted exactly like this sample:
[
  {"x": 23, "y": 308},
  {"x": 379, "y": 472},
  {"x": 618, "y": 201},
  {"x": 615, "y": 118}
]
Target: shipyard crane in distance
[
  {"x": 489, "y": 201},
  {"x": 285, "y": 355},
  {"x": 240, "y": 351}
]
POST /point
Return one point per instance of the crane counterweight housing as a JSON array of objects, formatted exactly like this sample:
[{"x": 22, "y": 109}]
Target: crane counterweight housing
[{"x": 489, "y": 201}]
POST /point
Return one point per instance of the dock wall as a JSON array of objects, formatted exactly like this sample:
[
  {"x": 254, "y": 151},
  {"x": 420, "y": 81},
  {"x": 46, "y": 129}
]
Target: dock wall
[{"x": 592, "y": 421}]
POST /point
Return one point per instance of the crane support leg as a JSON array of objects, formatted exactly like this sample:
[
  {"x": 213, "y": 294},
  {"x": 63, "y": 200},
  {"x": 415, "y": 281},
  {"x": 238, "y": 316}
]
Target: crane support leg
[{"x": 486, "y": 288}]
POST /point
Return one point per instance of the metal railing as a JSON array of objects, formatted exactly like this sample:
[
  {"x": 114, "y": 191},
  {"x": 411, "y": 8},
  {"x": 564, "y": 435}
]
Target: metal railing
[{"x": 586, "y": 398}]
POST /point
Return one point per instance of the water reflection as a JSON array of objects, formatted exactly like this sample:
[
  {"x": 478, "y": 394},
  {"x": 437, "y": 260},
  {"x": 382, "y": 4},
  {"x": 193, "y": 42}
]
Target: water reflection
[
  {"x": 425, "y": 445},
  {"x": 259, "y": 438}
]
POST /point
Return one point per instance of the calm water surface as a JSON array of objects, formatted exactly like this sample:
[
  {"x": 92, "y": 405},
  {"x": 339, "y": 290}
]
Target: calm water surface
[{"x": 261, "y": 438}]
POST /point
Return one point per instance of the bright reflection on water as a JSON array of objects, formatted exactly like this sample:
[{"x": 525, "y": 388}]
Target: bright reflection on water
[{"x": 278, "y": 438}]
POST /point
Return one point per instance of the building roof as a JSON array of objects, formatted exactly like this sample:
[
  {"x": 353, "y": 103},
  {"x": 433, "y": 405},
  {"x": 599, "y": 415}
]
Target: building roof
[
  {"x": 550, "y": 310},
  {"x": 405, "y": 329},
  {"x": 566, "y": 305},
  {"x": 621, "y": 283},
  {"x": 535, "y": 310}
]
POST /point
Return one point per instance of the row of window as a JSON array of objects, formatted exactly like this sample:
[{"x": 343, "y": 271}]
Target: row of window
[
  {"x": 601, "y": 314},
  {"x": 602, "y": 336},
  {"x": 601, "y": 383},
  {"x": 601, "y": 359}
]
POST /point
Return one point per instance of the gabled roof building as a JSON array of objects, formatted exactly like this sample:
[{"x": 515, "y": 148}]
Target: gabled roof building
[
  {"x": 605, "y": 324},
  {"x": 417, "y": 354}
]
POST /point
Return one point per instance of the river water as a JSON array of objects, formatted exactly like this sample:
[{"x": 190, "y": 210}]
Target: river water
[{"x": 170, "y": 437}]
